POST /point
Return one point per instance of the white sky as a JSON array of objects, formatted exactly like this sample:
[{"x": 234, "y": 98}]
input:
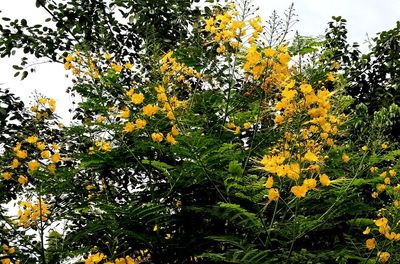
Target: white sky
[{"x": 363, "y": 16}]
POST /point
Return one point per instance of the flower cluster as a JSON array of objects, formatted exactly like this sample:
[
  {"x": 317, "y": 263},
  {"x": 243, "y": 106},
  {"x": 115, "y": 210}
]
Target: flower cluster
[{"x": 30, "y": 213}]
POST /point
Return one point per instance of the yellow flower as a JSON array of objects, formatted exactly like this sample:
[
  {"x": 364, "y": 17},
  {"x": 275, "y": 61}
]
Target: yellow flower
[
  {"x": 107, "y": 56},
  {"x": 41, "y": 145},
  {"x": 22, "y": 180},
  {"x": 374, "y": 195},
  {"x": 168, "y": 236},
  {"x": 129, "y": 260},
  {"x": 392, "y": 173},
  {"x": 384, "y": 146},
  {"x": 7, "y": 175},
  {"x": 381, "y": 187},
  {"x": 221, "y": 49},
  {"x": 149, "y": 110},
  {"x": 33, "y": 165},
  {"x": 247, "y": 125},
  {"x": 140, "y": 123},
  {"x": 55, "y": 157},
  {"x": 22, "y": 154},
  {"x": 310, "y": 157},
  {"x": 137, "y": 98},
  {"x": 381, "y": 222},
  {"x": 310, "y": 184},
  {"x": 155, "y": 228},
  {"x": 100, "y": 119},
  {"x": 383, "y": 256},
  {"x": 157, "y": 137},
  {"x": 299, "y": 191},
  {"x": 367, "y": 230},
  {"x": 373, "y": 169},
  {"x": 5, "y": 261},
  {"x": 125, "y": 113},
  {"x": 128, "y": 65},
  {"x": 306, "y": 88},
  {"x": 170, "y": 115},
  {"x": 364, "y": 148},
  {"x": 345, "y": 158},
  {"x": 32, "y": 139},
  {"x": 330, "y": 77},
  {"x": 174, "y": 131},
  {"x": 171, "y": 139},
  {"x": 269, "y": 183},
  {"x": 116, "y": 67},
  {"x": 42, "y": 100},
  {"x": 279, "y": 119},
  {"x": 162, "y": 97},
  {"x": 387, "y": 180},
  {"x": 14, "y": 164},
  {"x": 52, "y": 168},
  {"x": 324, "y": 180},
  {"x": 45, "y": 154},
  {"x": 273, "y": 194},
  {"x": 129, "y": 127},
  {"x": 11, "y": 250},
  {"x": 371, "y": 243}
]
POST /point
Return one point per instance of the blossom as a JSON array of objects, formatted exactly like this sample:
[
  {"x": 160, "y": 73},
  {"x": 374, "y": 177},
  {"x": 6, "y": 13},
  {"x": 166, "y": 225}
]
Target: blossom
[
  {"x": 383, "y": 256},
  {"x": 32, "y": 139},
  {"x": 149, "y": 110},
  {"x": 367, "y": 230},
  {"x": 137, "y": 98},
  {"x": 129, "y": 127},
  {"x": 381, "y": 222},
  {"x": 269, "y": 183},
  {"x": 157, "y": 137},
  {"x": 7, "y": 175},
  {"x": 140, "y": 123},
  {"x": 247, "y": 125},
  {"x": 345, "y": 158},
  {"x": 22, "y": 154},
  {"x": 324, "y": 180},
  {"x": 171, "y": 139},
  {"x": 33, "y": 165},
  {"x": 41, "y": 145},
  {"x": 370, "y": 243},
  {"x": 311, "y": 157},
  {"x": 365, "y": 148},
  {"x": 14, "y": 164},
  {"x": 22, "y": 180},
  {"x": 306, "y": 88},
  {"x": 299, "y": 191},
  {"x": 55, "y": 157},
  {"x": 273, "y": 194},
  {"x": 170, "y": 115},
  {"x": 310, "y": 184},
  {"x": 174, "y": 131},
  {"x": 125, "y": 113},
  {"x": 45, "y": 154},
  {"x": 94, "y": 259}
]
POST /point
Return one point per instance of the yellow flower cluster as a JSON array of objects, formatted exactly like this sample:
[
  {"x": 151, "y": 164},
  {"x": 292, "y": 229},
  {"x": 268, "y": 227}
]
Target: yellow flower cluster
[
  {"x": 85, "y": 65},
  {"x": 299, "y": 153},
  {"x": 30, "y": 213},
  {"x": 175, "y": 72},
  {"x": 386, "y": 176},
  {"x": 44, "y": 107},
  {"x": 44, "y": 157},
  {"x": 5, "y": 252},
  {"x": 268, "y": 63},
  {"x": 99, "y": 257},
  {"x": 226, "y": 28}
]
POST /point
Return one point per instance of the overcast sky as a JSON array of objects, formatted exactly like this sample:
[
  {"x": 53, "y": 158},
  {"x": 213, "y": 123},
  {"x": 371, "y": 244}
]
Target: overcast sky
[{"x": 363, "y": 17}]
